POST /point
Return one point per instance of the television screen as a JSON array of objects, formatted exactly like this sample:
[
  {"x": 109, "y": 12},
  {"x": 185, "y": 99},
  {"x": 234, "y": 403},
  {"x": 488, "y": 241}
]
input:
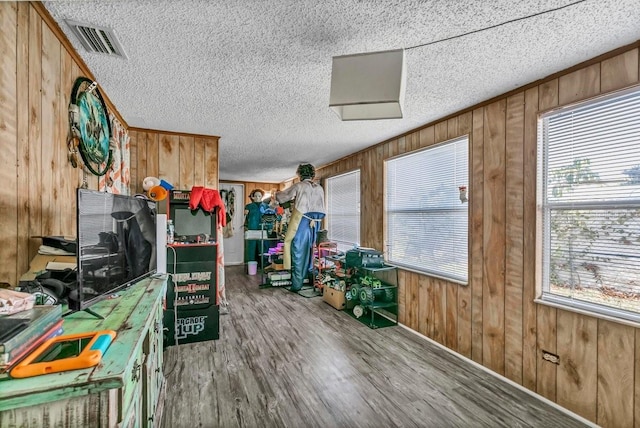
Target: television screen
[
  {"x": 190, "y": 223},
  {"x": 116, "y": 244}
]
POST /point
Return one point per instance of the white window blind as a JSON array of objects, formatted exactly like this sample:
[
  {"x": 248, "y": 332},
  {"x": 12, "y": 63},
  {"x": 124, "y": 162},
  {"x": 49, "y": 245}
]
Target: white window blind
[
  {"x": 343, "y": 209},
  {"x": 427, "y": 224},
  {"x": 589, "y": 182}
]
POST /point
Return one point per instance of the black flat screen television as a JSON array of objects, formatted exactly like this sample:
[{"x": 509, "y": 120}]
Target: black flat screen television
[{"x": 116, "y": 245}]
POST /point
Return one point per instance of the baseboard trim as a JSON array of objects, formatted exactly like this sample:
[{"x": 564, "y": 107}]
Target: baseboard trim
[{"x": 505, "y": 379}]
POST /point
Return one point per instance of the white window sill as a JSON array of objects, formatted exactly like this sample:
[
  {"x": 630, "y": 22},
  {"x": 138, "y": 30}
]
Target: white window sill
[{"x": 632, "y": 320}]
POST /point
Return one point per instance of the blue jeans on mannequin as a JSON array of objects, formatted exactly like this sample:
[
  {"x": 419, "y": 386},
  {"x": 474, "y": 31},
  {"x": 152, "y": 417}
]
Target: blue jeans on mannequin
[{"x": 301, "y": 256}]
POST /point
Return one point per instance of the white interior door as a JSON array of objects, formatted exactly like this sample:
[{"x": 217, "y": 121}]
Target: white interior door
[{"x": 234, "y": 233}]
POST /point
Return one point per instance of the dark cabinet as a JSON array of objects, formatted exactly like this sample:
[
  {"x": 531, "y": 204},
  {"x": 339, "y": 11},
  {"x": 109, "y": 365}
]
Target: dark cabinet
[{"x": 192, "y": 309}]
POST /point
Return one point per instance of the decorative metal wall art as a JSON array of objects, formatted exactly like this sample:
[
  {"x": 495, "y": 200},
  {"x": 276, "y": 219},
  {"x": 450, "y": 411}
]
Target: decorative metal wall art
[{"x": 89, "y": 127}]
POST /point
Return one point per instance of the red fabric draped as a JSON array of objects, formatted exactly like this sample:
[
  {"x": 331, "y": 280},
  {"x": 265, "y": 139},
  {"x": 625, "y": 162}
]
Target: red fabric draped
[{"x": 208, "y": 200}]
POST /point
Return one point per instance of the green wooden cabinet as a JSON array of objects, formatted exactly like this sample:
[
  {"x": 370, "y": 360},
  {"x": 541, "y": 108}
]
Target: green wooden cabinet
[
  {"x": 125, "y": 390},
  {"x": 152, "y": 370}
]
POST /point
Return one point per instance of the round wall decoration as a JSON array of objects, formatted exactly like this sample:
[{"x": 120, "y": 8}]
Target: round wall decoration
[{"x": 90, "y": 128}]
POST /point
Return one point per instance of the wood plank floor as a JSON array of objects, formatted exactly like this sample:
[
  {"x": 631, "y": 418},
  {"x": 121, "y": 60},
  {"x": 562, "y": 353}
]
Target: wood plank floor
[{"x": 283, "y": 360}]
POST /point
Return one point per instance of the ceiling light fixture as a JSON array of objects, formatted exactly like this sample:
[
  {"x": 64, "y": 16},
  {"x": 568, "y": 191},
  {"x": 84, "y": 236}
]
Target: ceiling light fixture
[{"x": 369, "y": 86}]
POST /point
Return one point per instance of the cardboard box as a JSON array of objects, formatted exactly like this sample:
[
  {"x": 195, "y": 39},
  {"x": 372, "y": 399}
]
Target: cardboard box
[
  {"x": 39, "y": 264},
  {"x": 334, "y": 297}
]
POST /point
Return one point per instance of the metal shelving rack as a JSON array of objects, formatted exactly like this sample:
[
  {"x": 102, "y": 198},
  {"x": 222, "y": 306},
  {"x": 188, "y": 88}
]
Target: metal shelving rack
[
  {"x": 264, "y": 280},
  {"x": 322, "y": 252},
  {"x": 387, "y": 310}
]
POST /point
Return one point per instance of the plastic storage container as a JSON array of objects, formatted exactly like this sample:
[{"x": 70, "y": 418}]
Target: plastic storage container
[{"x": 252, "y": 268}]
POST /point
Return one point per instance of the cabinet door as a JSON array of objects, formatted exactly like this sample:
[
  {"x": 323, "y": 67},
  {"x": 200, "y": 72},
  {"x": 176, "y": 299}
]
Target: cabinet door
[
  {"x": 131, "y": 397},
  {"x": 131, "y": 418},
  {"x": 158, "y": 328},
  {"x": 153, "y": 378}
]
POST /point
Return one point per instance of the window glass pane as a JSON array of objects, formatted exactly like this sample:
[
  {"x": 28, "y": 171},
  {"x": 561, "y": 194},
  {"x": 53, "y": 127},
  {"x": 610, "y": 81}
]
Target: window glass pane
[
  {"x": 589, "y": 164},
  {"x": 427, "y": 224},
  {"x": 343, "y": 209}
]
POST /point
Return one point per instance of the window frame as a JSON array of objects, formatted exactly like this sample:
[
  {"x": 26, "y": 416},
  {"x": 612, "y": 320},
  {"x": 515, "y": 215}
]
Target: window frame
[
  {"x": 543, "y": 224},
  {"x": 344, "y": 245},
  {"x": 411, "y": 267}
]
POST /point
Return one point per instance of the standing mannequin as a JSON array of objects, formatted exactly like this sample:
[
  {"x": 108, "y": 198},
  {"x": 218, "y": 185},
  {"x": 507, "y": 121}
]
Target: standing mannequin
[
  {"x": 308, "y": 211},
  {"x": 252, "y": 216}
]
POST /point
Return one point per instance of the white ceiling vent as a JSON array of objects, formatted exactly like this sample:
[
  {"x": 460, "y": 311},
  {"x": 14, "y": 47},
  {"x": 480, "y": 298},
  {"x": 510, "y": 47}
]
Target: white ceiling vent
[{"x": 97, "y": 39}]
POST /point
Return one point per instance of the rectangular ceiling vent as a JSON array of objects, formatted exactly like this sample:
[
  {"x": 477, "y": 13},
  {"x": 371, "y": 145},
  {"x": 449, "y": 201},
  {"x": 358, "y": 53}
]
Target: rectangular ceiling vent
[{"x": 96, "y": 39}]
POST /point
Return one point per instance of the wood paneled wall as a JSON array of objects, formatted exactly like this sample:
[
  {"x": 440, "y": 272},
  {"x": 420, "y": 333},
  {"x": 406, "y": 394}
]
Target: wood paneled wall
[
  {"x": 38, "y": 66},
  {"x": 494, "y": 320},
  {"x": 250, "y": 185},
  {"x": 37, "y": 191},
  {"x": 184, "y": 160}
]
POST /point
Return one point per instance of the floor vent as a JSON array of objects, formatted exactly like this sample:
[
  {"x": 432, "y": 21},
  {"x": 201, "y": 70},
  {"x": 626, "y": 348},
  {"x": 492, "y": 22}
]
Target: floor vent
[{"x": 97, "y": 39}]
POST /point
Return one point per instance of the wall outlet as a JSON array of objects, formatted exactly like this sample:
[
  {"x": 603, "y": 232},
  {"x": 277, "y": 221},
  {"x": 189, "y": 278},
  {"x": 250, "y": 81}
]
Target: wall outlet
[{"x": 552, "y": 358}]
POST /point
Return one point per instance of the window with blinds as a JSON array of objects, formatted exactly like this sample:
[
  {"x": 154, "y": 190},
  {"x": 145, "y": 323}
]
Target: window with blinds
[
  {"x": 343, "y": 209},
  {"x": 427, "y": 224},
  {"x": 589, "y": 186}
]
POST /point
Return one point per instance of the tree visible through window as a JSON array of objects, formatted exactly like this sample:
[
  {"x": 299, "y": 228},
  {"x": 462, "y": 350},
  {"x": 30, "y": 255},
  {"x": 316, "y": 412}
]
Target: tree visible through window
[{"x": 589, "y": 186}]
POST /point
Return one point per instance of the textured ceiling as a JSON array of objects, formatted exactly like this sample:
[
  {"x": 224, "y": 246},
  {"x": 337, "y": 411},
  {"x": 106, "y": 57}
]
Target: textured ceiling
[{"x": 257, "y": 73}]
